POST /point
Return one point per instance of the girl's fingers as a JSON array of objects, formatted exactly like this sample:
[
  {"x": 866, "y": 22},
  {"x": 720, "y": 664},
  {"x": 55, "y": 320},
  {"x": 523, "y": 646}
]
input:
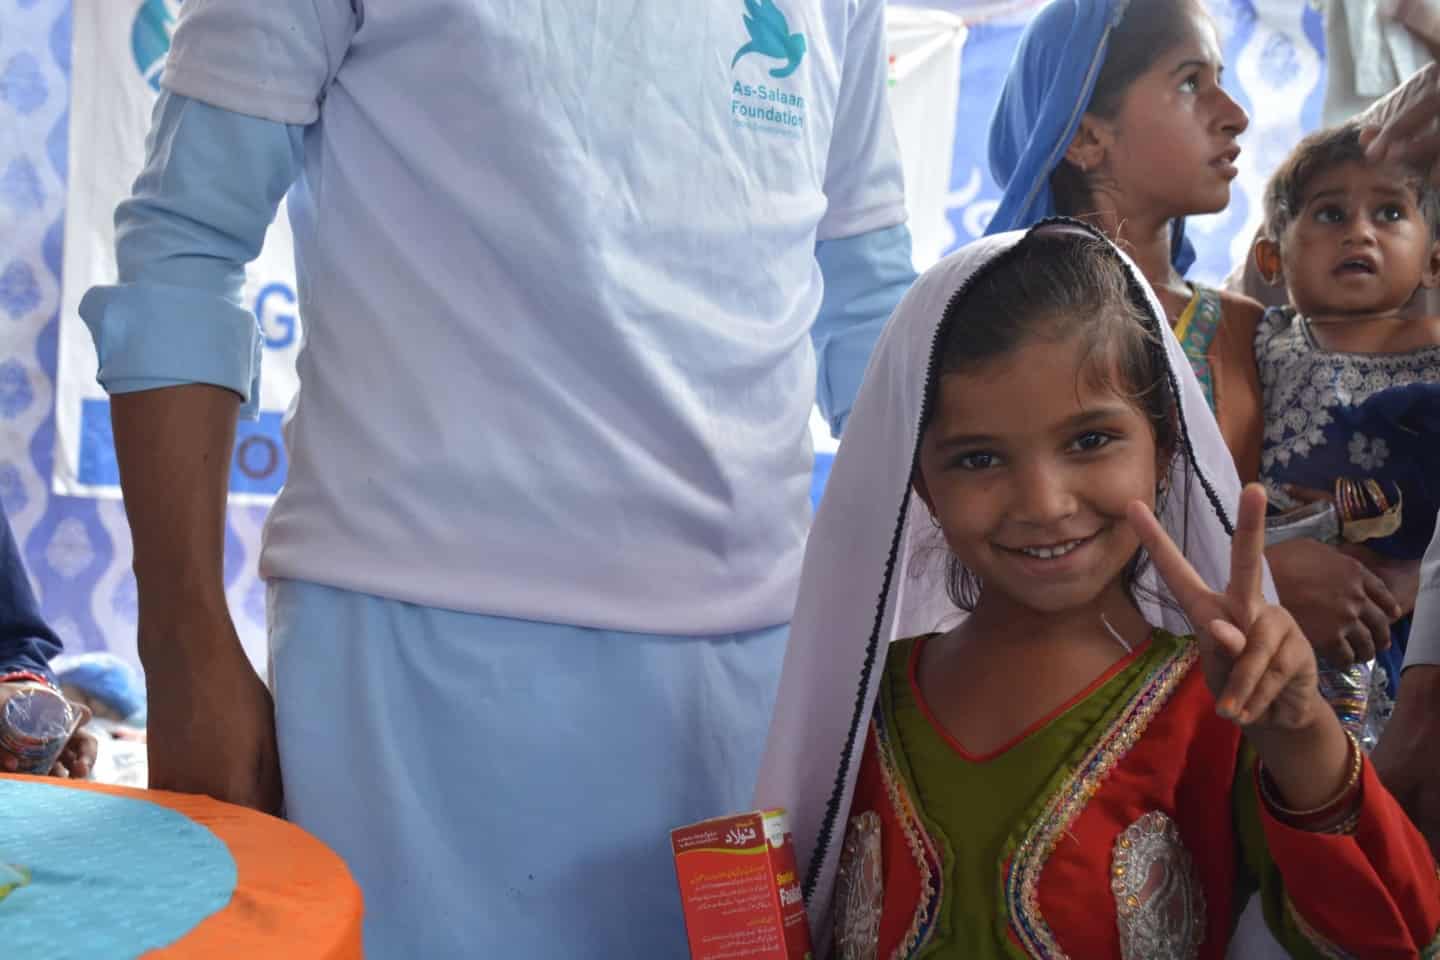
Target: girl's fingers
[
  {"x": 1188, "y": 588},
  {"x": 1220, "y": 646},
  {"x": 1227, "y": 640},
  {"x": 1251, "y": 662},
  {"x": 1247, "y": 555},
  {"x": 1278, "y": 675}
]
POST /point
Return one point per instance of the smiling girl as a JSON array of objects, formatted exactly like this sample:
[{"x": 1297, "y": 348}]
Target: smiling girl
[{"x": 1073, "y": 770}]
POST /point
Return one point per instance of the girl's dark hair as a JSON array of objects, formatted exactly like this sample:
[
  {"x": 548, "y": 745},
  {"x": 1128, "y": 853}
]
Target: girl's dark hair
[
  {"x": 1060, "y": 284},
  {"x": 1148, "y": 30}
]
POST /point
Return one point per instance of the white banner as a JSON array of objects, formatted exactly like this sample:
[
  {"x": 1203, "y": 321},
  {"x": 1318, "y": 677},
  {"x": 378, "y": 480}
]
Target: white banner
[
  {"x": 119, "y": 49},
  {"x": 925, "y": 48}
]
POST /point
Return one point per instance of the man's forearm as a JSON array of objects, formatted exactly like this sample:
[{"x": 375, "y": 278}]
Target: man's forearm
[{"x": 173, "y": 446}]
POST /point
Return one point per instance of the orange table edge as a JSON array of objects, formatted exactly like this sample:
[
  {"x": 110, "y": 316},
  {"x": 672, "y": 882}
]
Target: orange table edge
[{"x": 293, "y": 898}]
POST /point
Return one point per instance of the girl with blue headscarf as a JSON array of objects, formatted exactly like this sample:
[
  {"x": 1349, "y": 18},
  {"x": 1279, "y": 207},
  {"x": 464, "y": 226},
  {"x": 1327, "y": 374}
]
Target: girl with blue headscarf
[{"x": 1113, "y": 111}]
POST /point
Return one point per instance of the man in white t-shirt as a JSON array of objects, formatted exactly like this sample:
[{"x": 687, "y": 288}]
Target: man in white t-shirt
[{"x": 572, "y": 277}]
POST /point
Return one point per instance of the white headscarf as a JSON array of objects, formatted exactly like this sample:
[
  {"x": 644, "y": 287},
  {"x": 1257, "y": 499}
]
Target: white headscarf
[{"x": 858, "y": 592}]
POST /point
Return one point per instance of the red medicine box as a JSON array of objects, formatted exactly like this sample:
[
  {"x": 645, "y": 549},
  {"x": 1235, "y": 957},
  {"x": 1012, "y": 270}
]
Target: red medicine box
[{"x": 739, "y": 888}]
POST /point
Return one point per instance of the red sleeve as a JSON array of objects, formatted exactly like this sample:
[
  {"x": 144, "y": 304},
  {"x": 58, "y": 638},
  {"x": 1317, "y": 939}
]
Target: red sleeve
[{"x": 1374, "y": 893}]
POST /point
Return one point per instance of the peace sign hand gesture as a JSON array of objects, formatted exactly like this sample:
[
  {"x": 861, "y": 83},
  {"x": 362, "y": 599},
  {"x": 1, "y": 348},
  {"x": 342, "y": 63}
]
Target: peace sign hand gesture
[{"x": 1257, "y": 662}]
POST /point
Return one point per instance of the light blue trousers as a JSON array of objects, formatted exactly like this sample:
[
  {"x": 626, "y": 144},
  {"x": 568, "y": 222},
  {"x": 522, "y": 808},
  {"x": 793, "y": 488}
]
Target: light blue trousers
[{"x": 504, "y": 788}]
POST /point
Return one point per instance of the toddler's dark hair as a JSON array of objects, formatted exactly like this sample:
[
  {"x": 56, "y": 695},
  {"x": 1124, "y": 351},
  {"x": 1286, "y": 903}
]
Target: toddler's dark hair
[
  {"x": 1320, "y": 153},
  {"x": 1060, "y": 283}
]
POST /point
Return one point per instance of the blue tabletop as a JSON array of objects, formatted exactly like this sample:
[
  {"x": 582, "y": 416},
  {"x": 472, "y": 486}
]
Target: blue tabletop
[{"x": 112, "y": 876}]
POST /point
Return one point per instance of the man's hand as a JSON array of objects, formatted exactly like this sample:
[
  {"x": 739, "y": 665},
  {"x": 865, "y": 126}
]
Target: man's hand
[
  {"x": 212, "y": 724},
  {"x": 1402, "y": 127},
  {"x": 1405, "y": 757},
  {"x": 1420, "y": 17},
  {"x": 1342, "y": 607}
]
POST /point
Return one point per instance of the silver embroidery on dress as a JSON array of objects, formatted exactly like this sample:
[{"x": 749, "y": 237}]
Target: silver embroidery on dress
[
  {"x": 859, "y": 890},
  {"x": 1369, "y": 455},
  {"x": 1158, "y": 899},
  {"x": 1302, "y": 383}
]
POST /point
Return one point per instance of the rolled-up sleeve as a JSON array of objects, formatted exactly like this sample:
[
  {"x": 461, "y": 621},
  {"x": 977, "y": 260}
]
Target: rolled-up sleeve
[
  {"x": 212, "y": 182},
  {"x": 865, "y": 276},
  {"x": 272, "y": 59}
]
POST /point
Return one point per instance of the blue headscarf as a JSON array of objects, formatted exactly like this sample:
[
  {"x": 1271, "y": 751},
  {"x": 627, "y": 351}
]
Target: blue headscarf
[{"x": 1047, "y": 90}]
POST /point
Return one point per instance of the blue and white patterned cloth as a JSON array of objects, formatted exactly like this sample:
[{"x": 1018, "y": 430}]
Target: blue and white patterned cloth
[{"x": 1359, "y": 416}]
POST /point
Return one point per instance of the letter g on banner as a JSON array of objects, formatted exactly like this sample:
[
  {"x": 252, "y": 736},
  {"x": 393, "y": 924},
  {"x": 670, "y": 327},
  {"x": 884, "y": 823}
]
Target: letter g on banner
[{"x": 285, "y": 321}]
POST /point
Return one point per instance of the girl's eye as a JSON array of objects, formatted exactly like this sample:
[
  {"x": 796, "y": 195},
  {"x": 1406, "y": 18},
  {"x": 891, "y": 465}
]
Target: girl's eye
[
  {"x": 1330, "y": 214},
  {"x": 1190, "y": 84},
  {"x": 979, "y": 460},
  {"x": 1093, "y": 440},
  {"x": 1390, "y": 213}
]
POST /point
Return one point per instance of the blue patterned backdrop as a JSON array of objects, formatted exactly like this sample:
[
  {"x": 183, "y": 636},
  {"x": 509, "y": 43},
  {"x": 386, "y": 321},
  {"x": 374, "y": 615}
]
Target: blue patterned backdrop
[{"x": 78, "y": 550}]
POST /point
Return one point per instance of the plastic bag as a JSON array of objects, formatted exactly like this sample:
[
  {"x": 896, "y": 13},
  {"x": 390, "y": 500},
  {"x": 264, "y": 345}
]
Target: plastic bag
[{"x": 35, "y": 724}]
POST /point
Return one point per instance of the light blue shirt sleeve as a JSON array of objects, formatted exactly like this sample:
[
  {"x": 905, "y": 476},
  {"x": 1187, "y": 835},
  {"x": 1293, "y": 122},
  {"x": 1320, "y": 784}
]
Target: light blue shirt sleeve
[
  {"x": 1424, "y": 646},
  {"x": 865, "y": 277},
  {"x": 212, "y": 182}
]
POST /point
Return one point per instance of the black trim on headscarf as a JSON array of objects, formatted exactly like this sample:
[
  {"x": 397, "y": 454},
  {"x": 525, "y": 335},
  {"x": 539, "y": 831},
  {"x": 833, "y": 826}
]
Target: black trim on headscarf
[{"x": 872, "y": 647}]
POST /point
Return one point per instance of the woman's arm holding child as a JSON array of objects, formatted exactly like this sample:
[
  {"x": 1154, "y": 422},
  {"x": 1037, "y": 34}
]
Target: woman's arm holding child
[{"x": 1238, "y": 402}]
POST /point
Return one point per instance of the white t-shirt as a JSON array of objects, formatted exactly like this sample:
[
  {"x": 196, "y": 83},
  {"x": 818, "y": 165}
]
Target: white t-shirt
[{"x": 557, "y": 274}]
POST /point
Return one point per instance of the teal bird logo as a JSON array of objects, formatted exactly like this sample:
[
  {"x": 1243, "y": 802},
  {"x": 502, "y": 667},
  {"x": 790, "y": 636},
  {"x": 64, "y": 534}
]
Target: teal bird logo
[
  {"x": 150, "y": 37},
  {"x": 770, "y": 36}
]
